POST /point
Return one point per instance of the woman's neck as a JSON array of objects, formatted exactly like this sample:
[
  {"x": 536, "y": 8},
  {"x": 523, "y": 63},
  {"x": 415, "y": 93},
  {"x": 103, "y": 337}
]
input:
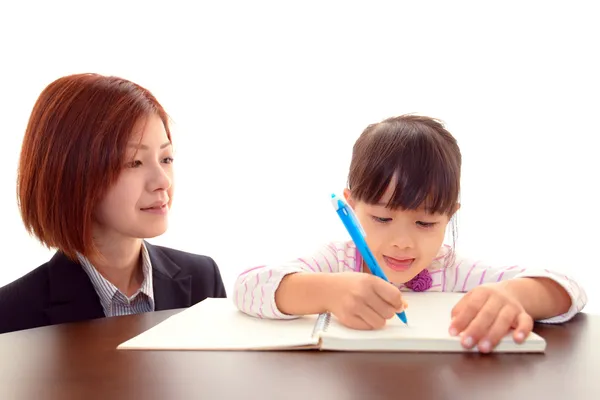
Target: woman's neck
[{"x": 120, "y": 264}]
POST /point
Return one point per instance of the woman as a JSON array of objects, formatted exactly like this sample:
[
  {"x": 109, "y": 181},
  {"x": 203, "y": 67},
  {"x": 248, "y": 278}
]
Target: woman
[{"x": 95, "y": 179}]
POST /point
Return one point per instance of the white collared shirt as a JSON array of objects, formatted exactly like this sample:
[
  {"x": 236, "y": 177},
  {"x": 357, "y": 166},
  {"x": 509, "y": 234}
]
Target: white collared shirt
[{"x": 113, "y": 301}]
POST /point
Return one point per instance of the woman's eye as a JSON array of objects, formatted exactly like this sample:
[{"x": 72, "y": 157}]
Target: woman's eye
[
  {"x": 426, "y": 224},
  {"x": 381, "y": 220},
  {"x": 168, "y": 160},
  {"x": 134, "y": 164}
]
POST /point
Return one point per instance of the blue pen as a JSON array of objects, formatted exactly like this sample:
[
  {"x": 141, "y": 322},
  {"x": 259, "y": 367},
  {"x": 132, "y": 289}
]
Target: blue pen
[{"x": 357, "y": 234}]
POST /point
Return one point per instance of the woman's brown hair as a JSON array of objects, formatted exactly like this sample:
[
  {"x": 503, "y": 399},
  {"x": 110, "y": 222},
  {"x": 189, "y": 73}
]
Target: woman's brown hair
[
  {"x": 73, "y": 151},
  {"x": 417, "y": 152}
]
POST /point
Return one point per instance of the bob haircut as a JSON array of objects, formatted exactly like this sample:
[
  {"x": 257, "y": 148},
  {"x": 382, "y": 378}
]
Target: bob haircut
[
  {"x": 418, "y": 154},
  {"x": 73, "y": 151}
]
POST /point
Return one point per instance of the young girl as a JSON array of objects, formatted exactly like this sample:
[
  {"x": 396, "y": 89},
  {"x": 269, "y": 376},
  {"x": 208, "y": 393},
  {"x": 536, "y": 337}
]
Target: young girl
[
  {"x": 95, "y": 178},
  {"x": 404, "y": 185}
]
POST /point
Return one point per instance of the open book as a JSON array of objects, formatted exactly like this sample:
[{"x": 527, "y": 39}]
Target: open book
[{"x": 216, "y": 324}]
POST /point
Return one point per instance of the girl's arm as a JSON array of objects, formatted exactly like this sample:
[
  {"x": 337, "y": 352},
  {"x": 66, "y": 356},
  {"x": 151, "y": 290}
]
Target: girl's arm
[
  {"x": 303, "y": 282},
  {"x": 547, "y": 296},
  {"x": 542, "y": 298}
]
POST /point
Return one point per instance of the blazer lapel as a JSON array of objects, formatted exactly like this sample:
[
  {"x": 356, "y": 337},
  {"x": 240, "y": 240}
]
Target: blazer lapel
[
  {"x": 171, "y": 289},
  {"x": 72, "y": 294}
]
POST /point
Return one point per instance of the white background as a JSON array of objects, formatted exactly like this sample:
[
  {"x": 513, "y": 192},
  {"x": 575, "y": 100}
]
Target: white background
[{"x": 267, "y": 99}]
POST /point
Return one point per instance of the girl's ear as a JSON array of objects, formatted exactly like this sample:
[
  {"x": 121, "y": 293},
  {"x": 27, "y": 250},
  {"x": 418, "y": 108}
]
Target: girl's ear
[
  {"x": 348, "y": 197},
  {"x": 456, "y": 208}
]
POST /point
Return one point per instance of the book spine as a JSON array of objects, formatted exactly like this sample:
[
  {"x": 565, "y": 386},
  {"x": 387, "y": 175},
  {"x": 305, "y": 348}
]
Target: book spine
[{"x": 321, "y": 324}]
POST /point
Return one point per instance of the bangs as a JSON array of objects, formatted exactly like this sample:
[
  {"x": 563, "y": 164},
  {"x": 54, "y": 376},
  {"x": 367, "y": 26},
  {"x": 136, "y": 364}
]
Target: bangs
[{"x": 416, "y": 162}]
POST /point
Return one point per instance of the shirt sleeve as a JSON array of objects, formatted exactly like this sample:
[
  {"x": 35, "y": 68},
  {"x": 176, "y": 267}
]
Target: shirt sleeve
[
  {"x": 463, "y": 274},
  {"x": 254, "y": 289}
]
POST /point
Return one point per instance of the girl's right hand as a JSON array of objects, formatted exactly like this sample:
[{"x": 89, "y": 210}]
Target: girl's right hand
[{"x": 363, "y": 301}]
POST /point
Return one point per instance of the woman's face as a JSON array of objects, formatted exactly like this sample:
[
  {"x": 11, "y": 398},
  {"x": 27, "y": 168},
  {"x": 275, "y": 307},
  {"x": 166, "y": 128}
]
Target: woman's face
[{"x": 138, "y": 204}]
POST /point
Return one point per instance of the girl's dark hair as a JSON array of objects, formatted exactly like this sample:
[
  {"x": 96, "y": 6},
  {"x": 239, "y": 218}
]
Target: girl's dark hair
[{"x": 418, "y": 153}]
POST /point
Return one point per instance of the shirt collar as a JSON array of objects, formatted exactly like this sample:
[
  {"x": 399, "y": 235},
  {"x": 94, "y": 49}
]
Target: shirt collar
[
  {"x": 147, "y": 287},
  {"x": 106, "y": 290}
]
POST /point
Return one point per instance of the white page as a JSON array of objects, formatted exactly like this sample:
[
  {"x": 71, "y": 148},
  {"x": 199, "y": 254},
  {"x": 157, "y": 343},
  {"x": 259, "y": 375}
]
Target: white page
[
  {"x": 429, "y": 316},
  {"x": 216, "y": 324}
]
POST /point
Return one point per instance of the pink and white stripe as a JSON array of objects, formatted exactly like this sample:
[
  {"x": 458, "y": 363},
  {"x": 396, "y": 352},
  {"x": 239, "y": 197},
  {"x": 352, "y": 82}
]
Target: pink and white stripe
[{"x": 255, "y": 288}]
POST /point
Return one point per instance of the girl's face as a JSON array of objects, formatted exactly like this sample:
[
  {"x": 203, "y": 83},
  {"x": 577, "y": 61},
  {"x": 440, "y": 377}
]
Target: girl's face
[
  {"x": 138, "y": 204},
  {"x": 403, "y": 242}
]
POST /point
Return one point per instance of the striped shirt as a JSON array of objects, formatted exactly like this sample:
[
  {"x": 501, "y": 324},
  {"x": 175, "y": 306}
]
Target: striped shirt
[
  {"x": 114, "y": 302},
  {"x": 254, "y": 291}
]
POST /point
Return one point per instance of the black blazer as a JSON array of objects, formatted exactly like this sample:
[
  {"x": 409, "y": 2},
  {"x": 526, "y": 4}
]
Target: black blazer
[{"x": 60, "y": 291}]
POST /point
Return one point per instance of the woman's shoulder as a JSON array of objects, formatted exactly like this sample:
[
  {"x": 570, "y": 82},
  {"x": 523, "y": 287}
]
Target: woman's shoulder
[
  {"x": 22, "y": 301},
  {"x": 185, "y": 260},
  {"x": 32, "y": 281},
  {"x": 36, "y": 284},
  {"x": 204, "y": 274}
]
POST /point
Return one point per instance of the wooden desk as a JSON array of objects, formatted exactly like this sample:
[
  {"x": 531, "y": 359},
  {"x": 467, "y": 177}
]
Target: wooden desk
[{"x": 79, "y": 361}]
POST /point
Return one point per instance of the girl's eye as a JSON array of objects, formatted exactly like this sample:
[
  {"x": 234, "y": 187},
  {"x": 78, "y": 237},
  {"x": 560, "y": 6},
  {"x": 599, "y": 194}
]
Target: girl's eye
[
  {"x": 381, "y": 220},
  {"x": 134, "y": 164},
  {"x": 426, "y": 224},
  {"x": 168, "y": 160}
]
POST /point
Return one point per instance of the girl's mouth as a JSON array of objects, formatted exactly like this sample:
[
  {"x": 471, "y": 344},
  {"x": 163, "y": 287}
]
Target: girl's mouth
[{"x": 399, "y": 264}]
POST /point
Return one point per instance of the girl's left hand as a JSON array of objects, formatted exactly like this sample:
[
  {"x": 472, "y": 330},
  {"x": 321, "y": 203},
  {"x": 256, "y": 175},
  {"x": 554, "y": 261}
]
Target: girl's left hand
[{"x": 486, "y": 314}]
